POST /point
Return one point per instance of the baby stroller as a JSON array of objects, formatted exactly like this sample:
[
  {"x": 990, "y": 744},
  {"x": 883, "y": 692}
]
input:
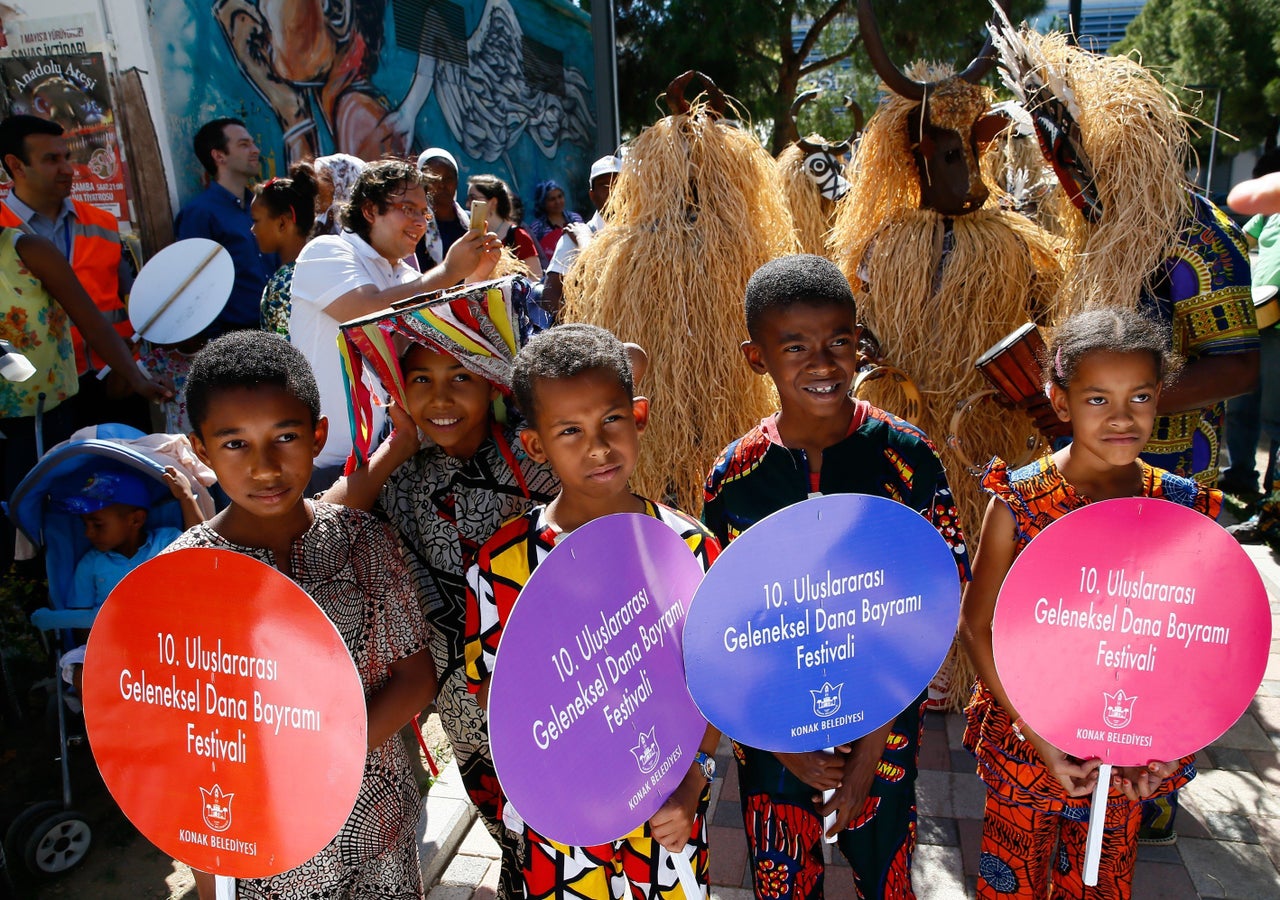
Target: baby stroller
[{"x": 51, "y": 837}]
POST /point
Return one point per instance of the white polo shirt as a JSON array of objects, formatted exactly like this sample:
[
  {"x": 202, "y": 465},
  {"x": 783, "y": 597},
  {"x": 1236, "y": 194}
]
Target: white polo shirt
[{"x": 329, "y": 267}]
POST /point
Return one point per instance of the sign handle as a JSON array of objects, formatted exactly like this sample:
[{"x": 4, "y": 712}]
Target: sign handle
[
  {"x": 684, "y": 871},
  {"x": 1097, "y": 819},
  {"x": 830, "y": 819},
  {"x": 186, "y": 282},
  {"x": 224, "y": 887}
]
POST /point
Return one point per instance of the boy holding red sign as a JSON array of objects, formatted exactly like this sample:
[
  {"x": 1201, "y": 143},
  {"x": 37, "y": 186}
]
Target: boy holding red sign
[
  {"x": 804, "y": 334},
  {"x": 1105, "y": 371},
  {"x": 574, "y": 384},
  {"x": 255, "y": 409}
]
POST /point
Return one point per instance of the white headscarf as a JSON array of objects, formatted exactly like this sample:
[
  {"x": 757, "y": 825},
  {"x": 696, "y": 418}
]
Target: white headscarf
[{"x": 343, "y": 169}]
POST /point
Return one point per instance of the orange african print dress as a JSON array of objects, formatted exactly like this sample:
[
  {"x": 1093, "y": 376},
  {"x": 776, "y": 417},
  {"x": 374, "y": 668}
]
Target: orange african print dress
[{"x": 1033, "y": 833}]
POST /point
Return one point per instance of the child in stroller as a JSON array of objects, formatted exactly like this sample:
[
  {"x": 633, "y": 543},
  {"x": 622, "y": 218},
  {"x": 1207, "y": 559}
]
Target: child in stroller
[
  {"x": 50, "y": 837},
  {"x": 112, "y": 502}
]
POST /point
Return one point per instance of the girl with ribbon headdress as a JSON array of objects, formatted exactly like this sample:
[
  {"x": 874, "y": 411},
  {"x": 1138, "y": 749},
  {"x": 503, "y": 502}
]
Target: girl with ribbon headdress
[{"x": 452, "y": 471}]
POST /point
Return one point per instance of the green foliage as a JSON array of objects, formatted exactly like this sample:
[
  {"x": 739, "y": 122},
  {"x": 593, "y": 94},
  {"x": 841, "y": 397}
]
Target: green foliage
[
  {"x": 1211, "y": 44},
  {"x": 746, "y": 47}
]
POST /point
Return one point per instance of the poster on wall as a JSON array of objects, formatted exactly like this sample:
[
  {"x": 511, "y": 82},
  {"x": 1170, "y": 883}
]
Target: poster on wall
[
  {"x": 72, "y": 91},
  {"x": 22, "y": 35}
]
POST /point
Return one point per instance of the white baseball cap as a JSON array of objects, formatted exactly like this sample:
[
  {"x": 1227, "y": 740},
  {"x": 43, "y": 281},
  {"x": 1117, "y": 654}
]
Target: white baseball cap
[
  {"x": 605, "y": 165},
  {"x": 436, "y": 153}
]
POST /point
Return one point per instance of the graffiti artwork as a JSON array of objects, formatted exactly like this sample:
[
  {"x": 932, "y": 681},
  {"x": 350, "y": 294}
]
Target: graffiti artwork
[{"x": 505, "y": 88}]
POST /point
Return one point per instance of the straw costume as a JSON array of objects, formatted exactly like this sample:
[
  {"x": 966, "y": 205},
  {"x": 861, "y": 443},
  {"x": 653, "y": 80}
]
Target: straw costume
[
  {"x": 693, "y": 213},
  {"x": 812, "y": 179},
  {"x": 1118, "y": 140},
  {"x": 977, "y": 276}
]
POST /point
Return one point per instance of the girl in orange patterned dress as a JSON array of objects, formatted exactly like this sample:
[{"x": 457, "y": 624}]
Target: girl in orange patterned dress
[{"x": 1104, "y": 375}]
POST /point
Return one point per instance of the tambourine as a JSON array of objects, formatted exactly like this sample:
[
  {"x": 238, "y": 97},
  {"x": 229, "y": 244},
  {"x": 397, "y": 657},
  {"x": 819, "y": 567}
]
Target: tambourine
[
  {"x": 1035, "y": 441},
  {"x": 1266, "y": 305},
  {"x": 911, "y": 407}
]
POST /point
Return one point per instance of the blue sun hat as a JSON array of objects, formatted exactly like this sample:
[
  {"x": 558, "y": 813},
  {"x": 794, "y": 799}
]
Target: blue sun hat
[{"x": 101, "y": 489}]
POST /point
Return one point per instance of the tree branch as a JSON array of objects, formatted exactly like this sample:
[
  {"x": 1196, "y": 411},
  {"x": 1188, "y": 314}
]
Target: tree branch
[
  {"x": 830, "y": 60},
  {"x": 815, "y": 31}
]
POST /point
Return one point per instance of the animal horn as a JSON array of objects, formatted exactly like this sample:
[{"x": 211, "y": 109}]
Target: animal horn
[
  {"x": 675, "y": 93},
  {"x": 983, "y": 62},
  {"x": 805, "y": 145},
  {"x": 885, "y": 67},
  {"x": 856, "y": 111}
]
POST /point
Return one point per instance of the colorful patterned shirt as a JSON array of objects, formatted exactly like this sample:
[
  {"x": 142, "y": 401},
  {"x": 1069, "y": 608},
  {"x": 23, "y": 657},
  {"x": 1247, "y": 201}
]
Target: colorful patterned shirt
[
  {"x": 508, "y": 559},
  {"x": 1203, "y": 291},
  {"x": 37, "y": 326},
  {"x": 444, "y": 508},
  {"x": 1038, "y": 495},
  {"x": 883, "y": 455}
]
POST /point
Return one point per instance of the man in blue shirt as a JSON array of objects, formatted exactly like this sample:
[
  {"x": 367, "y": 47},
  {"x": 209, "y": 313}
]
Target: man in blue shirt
[{"x": 221, "y": 213}]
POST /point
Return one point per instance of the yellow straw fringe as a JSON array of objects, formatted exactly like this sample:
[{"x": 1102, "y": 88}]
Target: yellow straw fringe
[
  {"x": 695, "y": 211},
  {"x": 1000, "y": 272},
  {"x": 812, "y": 213}
]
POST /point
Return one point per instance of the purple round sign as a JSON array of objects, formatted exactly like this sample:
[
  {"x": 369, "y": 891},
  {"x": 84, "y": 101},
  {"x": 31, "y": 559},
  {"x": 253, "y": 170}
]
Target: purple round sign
[
  {"x": 590, "y": 722},
  {"x": 831, "y": 615}
]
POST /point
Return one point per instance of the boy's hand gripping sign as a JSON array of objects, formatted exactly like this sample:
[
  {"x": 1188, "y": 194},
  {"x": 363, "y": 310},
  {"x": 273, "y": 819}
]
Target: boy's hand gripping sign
[
  {"x": 821, "y": 623},
  {"x": 224, "y": 712},
  {"x": 590, "y": 722},
  {"x": 1131, "y": 630}
]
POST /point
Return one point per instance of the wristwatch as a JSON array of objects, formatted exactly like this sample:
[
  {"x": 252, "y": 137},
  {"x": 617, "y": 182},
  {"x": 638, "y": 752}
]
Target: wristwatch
[{"x": 707, "y": 764}]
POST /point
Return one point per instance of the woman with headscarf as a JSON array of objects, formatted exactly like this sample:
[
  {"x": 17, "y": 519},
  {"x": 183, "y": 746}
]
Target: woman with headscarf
[
  {"x": 336, "y": 175},
  {"x": 549, "y": 218}
]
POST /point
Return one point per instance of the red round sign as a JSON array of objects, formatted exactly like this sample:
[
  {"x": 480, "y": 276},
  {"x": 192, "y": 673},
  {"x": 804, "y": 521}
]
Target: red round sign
[
  {"x": 224, "y": 712},
  {"x": 1132, "y": 630}
]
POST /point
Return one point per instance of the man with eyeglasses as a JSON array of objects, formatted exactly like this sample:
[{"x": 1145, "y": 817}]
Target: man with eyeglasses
[{"x": 363, "y": 270}]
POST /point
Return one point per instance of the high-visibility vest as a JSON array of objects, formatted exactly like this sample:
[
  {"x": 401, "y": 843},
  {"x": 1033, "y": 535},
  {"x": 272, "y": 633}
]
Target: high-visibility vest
[{"x": 95, "y": 258}]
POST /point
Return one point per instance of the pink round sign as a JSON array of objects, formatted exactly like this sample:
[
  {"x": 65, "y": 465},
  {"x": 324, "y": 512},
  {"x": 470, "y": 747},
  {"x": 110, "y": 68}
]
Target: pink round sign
[
  {"x": 590, "y": 721},
  {"x": 1132, "y": 630}
]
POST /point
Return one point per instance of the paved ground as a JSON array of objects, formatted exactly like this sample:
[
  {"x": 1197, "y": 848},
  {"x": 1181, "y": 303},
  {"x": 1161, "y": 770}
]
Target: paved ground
[{"x": 1229, "y": 824}]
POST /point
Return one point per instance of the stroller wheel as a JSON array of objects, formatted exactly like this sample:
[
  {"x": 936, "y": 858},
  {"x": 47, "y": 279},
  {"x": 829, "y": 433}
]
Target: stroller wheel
[
  {"x": 57, "y": 843},
  {"x": 15, "y": 837}
]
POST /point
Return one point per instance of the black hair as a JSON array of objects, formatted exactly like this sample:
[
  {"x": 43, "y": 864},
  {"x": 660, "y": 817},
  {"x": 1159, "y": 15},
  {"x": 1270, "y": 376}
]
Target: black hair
[
  {"x": 491, "y": 187},
  {"x": 1112, "y": 330},
  {"x": 1267, "y": 163},
  {"x": 378, "y": 182},
  {"x": 295, "y": 195},
  {"x": 567, "y": 351},
  {"x": 213, "y": 136},
  {"x": 799, "y": 278},
  {"x": 14, "y": 132},
  {"x": 248, "y": 359}
]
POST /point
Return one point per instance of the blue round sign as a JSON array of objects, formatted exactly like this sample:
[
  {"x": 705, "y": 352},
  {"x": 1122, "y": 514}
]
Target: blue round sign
[{"x": 821, "y": 623}]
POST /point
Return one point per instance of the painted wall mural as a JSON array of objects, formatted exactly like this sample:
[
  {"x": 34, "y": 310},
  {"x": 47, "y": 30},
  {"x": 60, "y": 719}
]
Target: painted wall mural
[{"x": 505, "y": 86}]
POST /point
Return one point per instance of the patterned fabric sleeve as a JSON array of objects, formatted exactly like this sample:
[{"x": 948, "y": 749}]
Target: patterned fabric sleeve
[
  {"x": 995, "y": 481},
  {"x": 400, "y": 627},
  {"x": 713, "y": 505},
  {"x": 931, "y": 497},
  {"x": 482, "y": 619}
]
